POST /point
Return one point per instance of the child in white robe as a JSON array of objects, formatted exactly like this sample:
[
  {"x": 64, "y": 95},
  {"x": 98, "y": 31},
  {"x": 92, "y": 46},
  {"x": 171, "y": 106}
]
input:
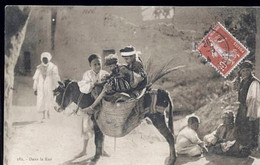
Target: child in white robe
[
  {"x": 90, "y": 78},
  {"x": 187, "y": 142}
]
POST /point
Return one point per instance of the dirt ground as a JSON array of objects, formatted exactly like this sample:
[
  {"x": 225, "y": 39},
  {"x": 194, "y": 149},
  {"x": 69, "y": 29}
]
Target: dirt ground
[{"x": 58, "y": 139}]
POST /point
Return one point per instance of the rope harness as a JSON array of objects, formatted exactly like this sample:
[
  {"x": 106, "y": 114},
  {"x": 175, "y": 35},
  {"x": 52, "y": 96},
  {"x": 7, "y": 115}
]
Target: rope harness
[
  {"x": 78, "y": 101},
  {"x": 63, "y": 96}
]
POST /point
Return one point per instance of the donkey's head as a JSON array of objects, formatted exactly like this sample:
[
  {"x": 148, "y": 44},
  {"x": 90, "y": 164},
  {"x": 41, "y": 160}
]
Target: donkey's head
[{"x": 63, "y": 94}]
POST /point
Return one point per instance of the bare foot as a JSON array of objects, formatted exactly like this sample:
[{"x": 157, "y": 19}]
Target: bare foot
[
  {"x": 92, "y": 163},
  {"x": 166, "y": 160},
  {"x": 80, "y": 154},
  {"x": 105, "y": 154},
  {"x": 43, "y": 120},
  {"x": 88, "y": 110},
  {"x": 48, "y": 115}
]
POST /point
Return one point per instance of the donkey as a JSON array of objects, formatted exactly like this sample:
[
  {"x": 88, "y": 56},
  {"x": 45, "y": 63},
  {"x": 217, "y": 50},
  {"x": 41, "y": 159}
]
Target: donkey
[{"x": 68, "y": 92}]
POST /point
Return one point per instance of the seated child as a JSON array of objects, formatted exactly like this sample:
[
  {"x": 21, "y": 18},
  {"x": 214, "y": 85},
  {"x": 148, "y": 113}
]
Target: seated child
[
  {"x": 188, "y": 142},
  {"x": 119, "y": 79},
  {"x": 223, "y": 140},
  {"x": 116, "y": 82},
  {"x": 138, "y": 76}
]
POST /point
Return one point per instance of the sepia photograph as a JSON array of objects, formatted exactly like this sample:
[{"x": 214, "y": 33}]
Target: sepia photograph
[{"x": 131, "y": 85}]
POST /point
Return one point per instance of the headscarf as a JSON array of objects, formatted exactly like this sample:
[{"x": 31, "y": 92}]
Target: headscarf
[
  {"x": 246, "y": 64},
  {"x": 43, "y": 67},
  {"x": 47, "y": 55},
  {"x": 228, "y": 114}
]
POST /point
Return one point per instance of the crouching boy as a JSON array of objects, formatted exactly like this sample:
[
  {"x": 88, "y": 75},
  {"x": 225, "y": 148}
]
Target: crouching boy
[{"x": 188, "y": 142}]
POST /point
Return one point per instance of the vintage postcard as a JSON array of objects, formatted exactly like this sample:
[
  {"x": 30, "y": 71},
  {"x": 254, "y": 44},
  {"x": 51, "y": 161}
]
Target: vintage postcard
[{"x": 131, "y": 85}]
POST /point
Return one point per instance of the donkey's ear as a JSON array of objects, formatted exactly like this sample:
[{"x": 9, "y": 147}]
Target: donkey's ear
[{"x": 61, "y": 84}]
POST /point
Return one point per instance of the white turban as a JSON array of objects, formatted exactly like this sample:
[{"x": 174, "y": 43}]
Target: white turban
[
  {"x": 131, "y": 51},
  {"x": 47, "y": 55}
]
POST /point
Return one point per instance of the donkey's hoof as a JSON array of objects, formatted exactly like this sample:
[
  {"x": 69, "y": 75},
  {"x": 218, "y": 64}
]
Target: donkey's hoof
[
  {"x": 166, "y": 161},
  {"x": 80, "y": 155},
  {"x": 94, "y": 160},
  {"x": 92, "y": 163},
  {"x": 105, "y": 154}
]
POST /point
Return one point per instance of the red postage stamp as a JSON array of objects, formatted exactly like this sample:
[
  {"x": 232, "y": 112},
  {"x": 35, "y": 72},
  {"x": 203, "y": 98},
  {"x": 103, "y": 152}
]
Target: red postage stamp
[{"x": 222, "y": 50}]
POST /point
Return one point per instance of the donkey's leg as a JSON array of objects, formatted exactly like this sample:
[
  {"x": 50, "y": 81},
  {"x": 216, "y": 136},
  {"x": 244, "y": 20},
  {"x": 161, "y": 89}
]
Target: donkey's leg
[
  {"x": 159, "y": 122},
  {"x": 99, "y": 139}
]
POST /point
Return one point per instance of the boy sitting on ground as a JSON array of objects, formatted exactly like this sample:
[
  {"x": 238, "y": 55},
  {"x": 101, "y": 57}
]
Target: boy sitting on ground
[{"x": 188, "y": 142}]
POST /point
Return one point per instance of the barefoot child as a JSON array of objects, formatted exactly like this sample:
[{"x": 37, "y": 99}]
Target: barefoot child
[
  {"x": 188, "y": 142},
  {"x": 90, "y": 77}
]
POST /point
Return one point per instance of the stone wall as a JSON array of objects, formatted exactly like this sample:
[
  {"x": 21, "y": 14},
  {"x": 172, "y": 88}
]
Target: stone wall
[
  {"x": 81, "y": 31},
  {"x": 37, "y": 39},
  {"x": 15, "y": 28}
]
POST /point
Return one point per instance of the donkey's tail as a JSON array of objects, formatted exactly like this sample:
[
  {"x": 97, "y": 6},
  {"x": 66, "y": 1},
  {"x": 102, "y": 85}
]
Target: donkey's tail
[{"x": 170, "y": 121}]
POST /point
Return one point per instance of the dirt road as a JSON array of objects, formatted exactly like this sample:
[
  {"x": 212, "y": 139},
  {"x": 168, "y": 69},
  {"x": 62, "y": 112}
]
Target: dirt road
[{"x": 57, "y": 140}]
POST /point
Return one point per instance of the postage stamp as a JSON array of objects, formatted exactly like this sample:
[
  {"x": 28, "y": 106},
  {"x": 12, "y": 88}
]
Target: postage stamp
[{"x": 222, "y": 50}]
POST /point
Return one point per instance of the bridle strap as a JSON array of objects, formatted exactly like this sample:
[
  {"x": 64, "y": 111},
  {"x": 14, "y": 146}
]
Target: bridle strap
[
  {"x": 79, "y": 100},
  {"x": 63, "y": 96}
]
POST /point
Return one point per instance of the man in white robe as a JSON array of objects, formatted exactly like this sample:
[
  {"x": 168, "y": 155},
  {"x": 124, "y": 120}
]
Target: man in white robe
[{"x": 46, "y": 79}]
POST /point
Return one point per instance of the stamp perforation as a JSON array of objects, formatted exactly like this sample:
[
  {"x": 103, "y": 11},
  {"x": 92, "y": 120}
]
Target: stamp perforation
[
  {"x": 230, "y": 67},
  {"x": 234, "y": 38}
]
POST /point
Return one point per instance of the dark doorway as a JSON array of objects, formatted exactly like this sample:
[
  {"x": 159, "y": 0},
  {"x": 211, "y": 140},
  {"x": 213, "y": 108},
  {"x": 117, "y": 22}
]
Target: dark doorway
[
  {"x": 27, "y": 63},
  {"x": 108, "y": 51},
  {"x": 53, "y": 27}
]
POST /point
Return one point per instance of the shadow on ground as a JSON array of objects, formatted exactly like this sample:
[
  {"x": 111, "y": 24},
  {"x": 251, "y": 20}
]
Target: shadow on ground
[
  {"x": 225, "y": 160},
  {"x": 214, "y": 160},
  {"x": 184, "y": 159}
]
